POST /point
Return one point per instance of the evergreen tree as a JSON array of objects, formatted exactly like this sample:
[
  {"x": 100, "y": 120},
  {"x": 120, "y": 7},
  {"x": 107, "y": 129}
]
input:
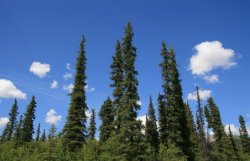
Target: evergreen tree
[
  {"x": 52, "y": 132},
  {"x": 117, "y": 82},
  {"x": 162, "y": 120},
  {"x": 233, "y": 145},
  {"x": 244, "y": 137},
  {"x": 74, "y": 132},
  {"x": 29, "y": 117},
  {"x": 151, "y": 133},
  {"x": 43, "y": 137},
  {"x": 18, "y": 130},
  {"x": 213, "y": 116},
  {"x": 129, "y": 132},
  {"x": 92, "y": 125},
  {"x": 107, "y": 116},
  {"x": 200, "y": 126},
  {"x": 38, "y": 132},
  {"x": 9, "y": 128}
]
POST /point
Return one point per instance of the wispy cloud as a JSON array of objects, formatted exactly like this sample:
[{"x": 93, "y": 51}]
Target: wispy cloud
[{"x": 54, "y": 84}]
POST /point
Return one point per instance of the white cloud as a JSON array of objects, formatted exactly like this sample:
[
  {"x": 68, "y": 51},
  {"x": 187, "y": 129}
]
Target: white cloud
[
  {"x": 87, "y": 89},
  {"x": 68, "y": 87},
  {"x": 142, "y": 119},
  {"x": 3, "y": 121},
  {"x": 204, "y": 94},
  {"x": 139, "y": 103},
  {"x": 9, "y": 90},
  {"x": 52, "y": 117},
  {"x": 67, "y": 76},
  {"x": 39, "y": 69},
  {"x": 54, "y": 84},
  {"x": 234, "y": 129},
  {"x": 68, "y": 66},
  {"x": 211, "y": 55},
  {"x": 211, "y": 78}
]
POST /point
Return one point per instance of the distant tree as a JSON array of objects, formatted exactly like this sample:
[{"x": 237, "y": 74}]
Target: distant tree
[
  {"x": 43, "y": 137},
  {"x": 235, "y": 154},
  {"x": 29, "y": 117},
  {"x": 38, "y": 132},
  {"x": 92, "y": 125},
  {"x": 151, "y": 132},
  {"x": 9, "y": 128},
  {"x": 244, "y": 137},
  {"x": 17, "y": 136},
  {"x": 52, "y": 132},
  {"x": 200, "y": 127},
  {"x": 74, "y": 132},
  {"x": 107, "y": 116}
]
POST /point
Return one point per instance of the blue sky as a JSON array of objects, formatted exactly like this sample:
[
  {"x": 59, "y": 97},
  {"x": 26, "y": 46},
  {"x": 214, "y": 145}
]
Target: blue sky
[{"x": 214, "y": 34}]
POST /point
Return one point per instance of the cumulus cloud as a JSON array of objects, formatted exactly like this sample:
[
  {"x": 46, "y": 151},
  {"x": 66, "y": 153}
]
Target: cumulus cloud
[
  {"x": 235, "y": 129},
  {"x": 210, "y": 56},
  {"x": 3, "y": 121},
  {"x": 67, "y": 76},
  {"x": 52, "y": 117},
  {"x": 68, "y": 87},
  {"x": 204, "y": 94},
  {"x": 87, "y": 89},
  {"x": 9, "y": 90},
  {"x": 142, "y": 119},
  {"x": 211, "y": 78},
  {"x": 68, "y": 66},
  {"x": 139, "y": 103},
  {"x": 54, "y": 84},
  {"x": 39, "y": 69}
]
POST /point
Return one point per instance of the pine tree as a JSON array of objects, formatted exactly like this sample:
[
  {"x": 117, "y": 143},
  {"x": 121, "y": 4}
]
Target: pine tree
[
  {"x": 9, "y": 128},
  {"x": 74, "y": 132},
  {"x": 43, "y": 137},
  {"x": 92, "y": 125},
  {"x": 129, "y": 133},
  {"x": 213, "y": 116},
  {"x": 244, "y": 137},
  {"x": 117, "y": 82},
  {"x": 38, "y": 132},
  {"x": 162, "y": 120},
  {"x": 200, "y": 126},
  {"x": 151, "y": 133},
  {"x": 29, "y": 117},
  {"x": 233, "y": 145},
  {"x": 107, "y": 116},
  {"x": 17, "y": 136},
  {"x": 52, "y": 132}
]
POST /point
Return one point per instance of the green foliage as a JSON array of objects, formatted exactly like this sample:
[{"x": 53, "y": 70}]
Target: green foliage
[
  {"x": 74, "y": 132},
  {"x": 38, "y": 132},
  {"x": 151, "y": 133},
  {"x": 29, "y": 117},
  {"x": 171, "y": 153},
  {"x": 43, "y": 137},
  {"x": 92, "y": 125},
  {"x": 9, "y": 128},
  {"x": 244, "y": 137},
  {"x": 107, "y": 116}
]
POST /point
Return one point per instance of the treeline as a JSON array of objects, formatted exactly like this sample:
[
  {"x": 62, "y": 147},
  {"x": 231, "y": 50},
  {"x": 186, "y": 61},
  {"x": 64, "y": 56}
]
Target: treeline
[{"x": 174, "y": 136}]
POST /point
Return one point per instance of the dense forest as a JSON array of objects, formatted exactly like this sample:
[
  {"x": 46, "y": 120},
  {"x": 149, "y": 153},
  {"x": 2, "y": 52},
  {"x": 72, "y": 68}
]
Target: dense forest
[{"x": 174, "y": 135}]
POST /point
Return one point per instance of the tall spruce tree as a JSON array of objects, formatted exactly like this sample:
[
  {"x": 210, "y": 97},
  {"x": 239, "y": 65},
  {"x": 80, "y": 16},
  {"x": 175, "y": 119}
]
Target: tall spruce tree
[
  {"x": 151, "y": 132},
  {"x": 236, "y": 156},
  {"x": 29, "y": 117},
  {"x": 52, "y": 132},
  {"x": 107, "y": 116},
  {"x": 9, "y": 128},
  {"x": 200, "y": 126},
  {"x": 244, "y": 137},
  {"x": 92, "y": 125},
  {"x": 129, "y": 133},
  {"x": 117, "y": 83},
  {"x": 162, "y": 120},
  {"x": 38, "y": 132},
  {"x": 74, "y": 132}
]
